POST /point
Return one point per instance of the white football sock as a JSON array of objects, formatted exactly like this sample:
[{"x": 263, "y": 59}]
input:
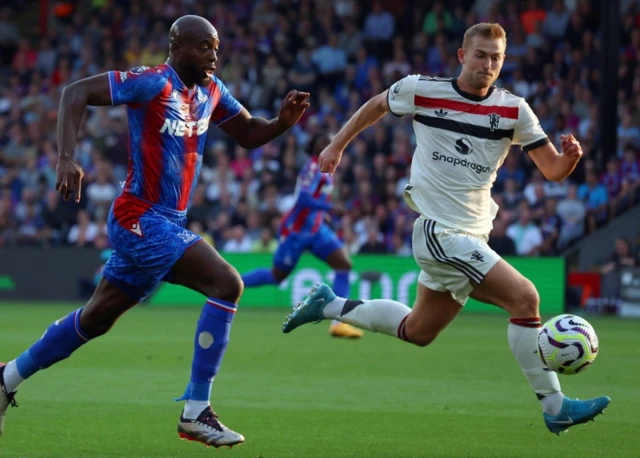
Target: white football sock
[
  {"x": 11, "y": 377},
  {"x": 523, "y": 341},
  {"x": 377, "y": 315},
  {"x": 194, "y": 408}
]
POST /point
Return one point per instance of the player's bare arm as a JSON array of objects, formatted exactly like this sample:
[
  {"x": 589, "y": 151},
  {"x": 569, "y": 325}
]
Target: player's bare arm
[
  {"x": 555, "y": 166},
  {"x": 367, "y": 115},
  {"x": 92, "y": 91},
  {"x": 252, "y": 132}
]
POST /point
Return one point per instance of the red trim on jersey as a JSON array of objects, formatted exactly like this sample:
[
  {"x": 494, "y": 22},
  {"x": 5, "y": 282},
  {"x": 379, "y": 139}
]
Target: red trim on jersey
[
  {"x": 190, "y": 157},
  {"x": 127, "y": 209},
  {"x": 471, "y": 108},
  {"x": 300, "y": 219},
  {"x": 215, "y": 96},
  {"x": 316, "y": 224},
  {"x": 129, "y": 179},
  {"x": 152, "y": 146},
  {"x": 304, "y": 214}
]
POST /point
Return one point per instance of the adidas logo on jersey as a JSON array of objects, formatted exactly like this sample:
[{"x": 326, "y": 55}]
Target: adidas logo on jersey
[
  {"x": 184, "y": 128},
  {"x": 441, "y": 113}
]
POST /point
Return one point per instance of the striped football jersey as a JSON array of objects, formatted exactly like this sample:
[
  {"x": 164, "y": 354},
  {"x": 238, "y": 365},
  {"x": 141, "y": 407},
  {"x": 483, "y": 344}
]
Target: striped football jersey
[
  {"x": 167, "y": 132},
  {"x": 462, "y": 139}
]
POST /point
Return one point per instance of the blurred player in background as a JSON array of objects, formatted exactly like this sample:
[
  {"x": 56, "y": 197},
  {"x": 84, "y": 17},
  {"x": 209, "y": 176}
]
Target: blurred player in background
[
  {"x": 304, "y": 228},
  {"x": 169, "y": 110},
  {"x": 464, "y": 128}
]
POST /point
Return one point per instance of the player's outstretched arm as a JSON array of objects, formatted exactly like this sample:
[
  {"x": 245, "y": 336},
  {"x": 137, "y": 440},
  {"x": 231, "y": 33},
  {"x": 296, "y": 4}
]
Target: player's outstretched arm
[
  {"x": 251, "y": 132},
  {"x": 554, "y": 166},
  {"x": 93, "y": 91},
  {"x": 367, "y": 115}
]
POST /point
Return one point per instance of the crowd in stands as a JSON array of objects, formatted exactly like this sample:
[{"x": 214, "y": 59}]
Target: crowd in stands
[{"x": 343, "y": 52}]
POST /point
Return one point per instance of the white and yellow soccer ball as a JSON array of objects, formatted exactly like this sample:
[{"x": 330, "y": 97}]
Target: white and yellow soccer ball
[{"x": 567, "y": 344}]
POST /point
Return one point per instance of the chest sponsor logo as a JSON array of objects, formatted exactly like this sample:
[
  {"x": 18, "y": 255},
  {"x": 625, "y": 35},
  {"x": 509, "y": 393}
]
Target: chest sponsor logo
[{"x": 178, "y": 128}]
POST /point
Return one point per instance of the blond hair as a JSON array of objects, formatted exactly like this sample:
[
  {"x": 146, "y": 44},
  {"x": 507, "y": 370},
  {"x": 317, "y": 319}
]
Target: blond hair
[{"x": 492, "y": 31}]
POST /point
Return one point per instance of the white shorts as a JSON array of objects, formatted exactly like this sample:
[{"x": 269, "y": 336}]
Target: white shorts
[{"x": 450, "y": 259}]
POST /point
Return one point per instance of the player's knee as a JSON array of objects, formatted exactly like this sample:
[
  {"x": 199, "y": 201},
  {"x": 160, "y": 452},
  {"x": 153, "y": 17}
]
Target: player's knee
[
  {"x": 228, "y": 286},
  {"x": 279, "y": 275},
  {"x": 346, "y": 265},
  {"x": 422, "y": 340},
  {"x": 96, "y": 321},
  {"x": 528, "y": 301}
]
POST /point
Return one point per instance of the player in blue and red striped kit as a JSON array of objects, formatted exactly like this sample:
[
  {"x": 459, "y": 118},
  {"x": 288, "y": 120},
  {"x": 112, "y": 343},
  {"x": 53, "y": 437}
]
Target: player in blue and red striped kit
[
  {"x": 304, "y": 228},
  {"x": 169, "y": 108}
]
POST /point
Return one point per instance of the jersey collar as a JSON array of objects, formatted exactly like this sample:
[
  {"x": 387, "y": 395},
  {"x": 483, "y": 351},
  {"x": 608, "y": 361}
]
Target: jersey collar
[
  {"x": 466, "y": 95},
  {"x": 178, "y": 84}
]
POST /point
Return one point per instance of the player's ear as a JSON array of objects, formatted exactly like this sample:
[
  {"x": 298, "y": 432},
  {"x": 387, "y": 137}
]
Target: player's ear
[{"x": 461, "y": 55}]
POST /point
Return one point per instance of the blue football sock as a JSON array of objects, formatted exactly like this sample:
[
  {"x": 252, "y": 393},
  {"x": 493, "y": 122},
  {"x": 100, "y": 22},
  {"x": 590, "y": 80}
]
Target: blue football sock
[
  {"x": 212, "y": 338},
  {"x": 341, "y": 283},
  {"x": 259, "y": 277},
  {"x": 60, "y": 339}
]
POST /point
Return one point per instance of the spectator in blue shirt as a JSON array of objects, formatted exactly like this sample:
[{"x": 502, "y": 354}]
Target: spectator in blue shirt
[{"x": 595, "y": 196}]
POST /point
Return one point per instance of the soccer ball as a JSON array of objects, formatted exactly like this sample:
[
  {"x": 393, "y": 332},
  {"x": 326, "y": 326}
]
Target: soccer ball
[{"x": 567, "y": 344}]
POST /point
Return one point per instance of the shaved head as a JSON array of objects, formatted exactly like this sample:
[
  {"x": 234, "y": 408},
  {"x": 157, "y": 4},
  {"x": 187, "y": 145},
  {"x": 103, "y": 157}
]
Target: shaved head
[
  {"x": 193, "y": 49},
  {"x": 189, "y": 29}
]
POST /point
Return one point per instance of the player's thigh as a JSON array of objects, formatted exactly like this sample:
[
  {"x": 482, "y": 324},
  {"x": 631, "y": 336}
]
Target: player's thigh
[
  {"x": 202, "y": 269},
  {"x": 328, "y": 247},
  {"x": 507, "y": 288},
  {"x": 288, "y": 252},
  {"x": 142, "y": 259},
  {"x": 452, "y": 260},
  {"x": 432, "y": 312}
]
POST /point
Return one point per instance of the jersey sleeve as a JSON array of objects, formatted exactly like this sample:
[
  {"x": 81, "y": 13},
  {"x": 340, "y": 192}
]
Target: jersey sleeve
[
  {"x": 308, "y": 177},
  {"x": 528, "y": 132},
  {"x": 401, "y": 95},
  {"x": 139, "y": 84},
  {"x": 227, "y": 106}
]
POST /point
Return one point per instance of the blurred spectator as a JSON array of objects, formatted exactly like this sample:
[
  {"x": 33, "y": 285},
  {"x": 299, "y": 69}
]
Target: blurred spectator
[
  {"x": 266, "y": 243},
  {"x": 373, "y": 244},
  {"x": 551, "y": 227},
  {"x": 525, "y": 234},
  {"x": 572, "y": 212},
  {"x": 622, "y": 257},
  {"x": 343, "y": 52},
  {"x": 238, "y": 242},
  {"x": 84, "y": 231},
  {"x": 595, "y": 196},
  {"x": 499, "y": 241}
]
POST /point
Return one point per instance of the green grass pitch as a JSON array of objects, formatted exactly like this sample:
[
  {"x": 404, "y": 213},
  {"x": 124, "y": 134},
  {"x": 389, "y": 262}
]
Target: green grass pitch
[{"x": 306, "y": 395}]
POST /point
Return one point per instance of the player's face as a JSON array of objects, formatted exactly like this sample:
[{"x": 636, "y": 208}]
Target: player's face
[
  {"x": 201, "y": 59},
  {"x": 482, "y": 61}
]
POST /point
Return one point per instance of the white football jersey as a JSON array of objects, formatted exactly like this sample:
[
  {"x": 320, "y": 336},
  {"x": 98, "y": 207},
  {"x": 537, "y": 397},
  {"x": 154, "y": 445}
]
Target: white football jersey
[{"x": 462, "y": 139}]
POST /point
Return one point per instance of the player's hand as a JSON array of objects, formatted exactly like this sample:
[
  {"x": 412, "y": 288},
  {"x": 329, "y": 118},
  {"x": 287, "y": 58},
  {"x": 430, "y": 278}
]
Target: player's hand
[
  {"x": 329, "y": 159},
  {"x": 292, "y": 107},
  {"x": 338, "y": 210},
  {"x": 571, "y": 147},
  {"x": 69, "y": 178}
]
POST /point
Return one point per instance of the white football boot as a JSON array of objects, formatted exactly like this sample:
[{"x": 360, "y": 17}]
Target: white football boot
[{"x": 207, "y": 430}]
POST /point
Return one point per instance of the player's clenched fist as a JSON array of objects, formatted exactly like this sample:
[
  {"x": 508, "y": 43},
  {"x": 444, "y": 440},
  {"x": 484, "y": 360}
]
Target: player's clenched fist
[
  {"x": 329, "y": 159},
  {"x": 69, "y": 177},
  {"x": 571, "y": 147}
]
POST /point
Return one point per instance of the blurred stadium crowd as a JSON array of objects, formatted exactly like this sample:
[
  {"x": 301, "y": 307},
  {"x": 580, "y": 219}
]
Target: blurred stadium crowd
[{"x": 343, "y": 52}]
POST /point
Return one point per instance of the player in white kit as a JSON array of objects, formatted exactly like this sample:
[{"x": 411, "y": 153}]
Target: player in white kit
[{"x": 464, "y": 128}]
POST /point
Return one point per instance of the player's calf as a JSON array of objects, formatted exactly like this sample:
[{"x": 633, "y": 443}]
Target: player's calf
[{"x": 379, "y": 315}]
